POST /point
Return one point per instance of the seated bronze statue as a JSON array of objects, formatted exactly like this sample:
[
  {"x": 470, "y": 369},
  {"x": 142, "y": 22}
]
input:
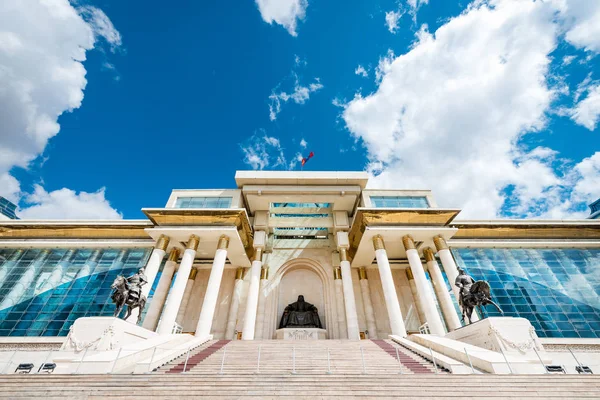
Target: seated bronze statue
[{"x": 300, "y": 314}]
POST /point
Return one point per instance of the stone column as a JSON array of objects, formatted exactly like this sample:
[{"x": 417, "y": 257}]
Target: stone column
[
  {"x": 25, "y": 281},
  {"x": 415, "y": 295},
  {"x": 187, "y": 293},
  {"x": 339, "y": 296},
  {"x": 389, "y": 290},
  {"x": 248, "y": 330},
  {"x": 434, "y": 321},
  {"x": 169, "y": 314},
  {"x": 260, "y": 312},
  {"x": 449, "y": 268},
  {"x": 235, "y": 303},
  {"x": 212, "y": 289},
  {"x": 441, "y": 291},
  {"x": 349, "y": 301},
  {"x": 151, "y": 270},
  {"x": 368, "y": 305},
  {"x": 162, "y": 289}
]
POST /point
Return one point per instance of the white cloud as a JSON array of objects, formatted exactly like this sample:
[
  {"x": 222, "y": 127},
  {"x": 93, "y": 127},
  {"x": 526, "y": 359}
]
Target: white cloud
[
  {"x": 66, "y": 204},
  {"x": 101, "y": 25},
  {"x": 43, "y": 44},
  {"x": 587, "y": 111},
  {"x": 392, "y": 18},
  {"x": 300, "y": 95},
  {"x": 567, "y": 60},
  {"x": 361, "y": 71},
  {"x": 449, "y": 114},
  {"x": 260, "y": 151},
  {"x": 384, "y": 65},
  {"x": 303, "y": 143},
  {"x": 414, "y": 6},
  {"x": 286, "y": 13},
  {"x": 581, "y": 20}
]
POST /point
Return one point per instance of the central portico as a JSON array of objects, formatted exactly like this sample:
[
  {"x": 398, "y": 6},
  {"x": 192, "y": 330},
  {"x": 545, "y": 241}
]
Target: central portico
[{"x": 231, "y": 269}]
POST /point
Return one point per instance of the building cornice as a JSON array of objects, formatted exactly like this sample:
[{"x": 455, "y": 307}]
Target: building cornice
[
  {"x": 527, "y": 229},
  {"x": 205, "y": 217},
  {"x": 23, "y": 229},
  {"x": 401, "y": 217}
]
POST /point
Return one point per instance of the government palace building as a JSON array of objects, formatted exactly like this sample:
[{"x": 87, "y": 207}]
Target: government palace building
[{"x": 290, "y": 274}]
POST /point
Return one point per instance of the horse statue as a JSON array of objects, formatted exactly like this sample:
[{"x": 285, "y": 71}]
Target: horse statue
[
  {"x": 128, "y": 292},
  {"x": 473, "y": 294}
]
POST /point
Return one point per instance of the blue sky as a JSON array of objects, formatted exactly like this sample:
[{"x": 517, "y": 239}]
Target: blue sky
[{"x": 109, "y": 105}]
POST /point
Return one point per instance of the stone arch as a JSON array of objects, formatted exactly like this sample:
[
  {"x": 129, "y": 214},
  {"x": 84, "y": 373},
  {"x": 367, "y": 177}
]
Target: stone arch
[{"x": 326, "y": 278}]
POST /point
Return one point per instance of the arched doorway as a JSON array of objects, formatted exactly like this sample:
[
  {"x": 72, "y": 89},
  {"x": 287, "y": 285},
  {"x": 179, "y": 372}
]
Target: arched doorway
[{"x": 302, "y": 277}]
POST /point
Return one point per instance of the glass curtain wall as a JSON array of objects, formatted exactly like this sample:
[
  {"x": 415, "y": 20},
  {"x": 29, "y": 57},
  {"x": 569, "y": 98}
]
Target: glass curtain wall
[
  {"x": 43, "y": 291},
  {"x": 557, "y": 290}
]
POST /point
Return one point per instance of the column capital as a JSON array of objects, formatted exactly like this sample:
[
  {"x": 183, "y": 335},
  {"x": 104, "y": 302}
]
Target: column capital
[
  {"x": 362, "y": 273},
  {"x": 408, "y": 242},
  {"x": 193, "y": 242},
  {"x": 343, "y": 254},
  {"x": 258, "y": 254},
  {"x": 239, "y": 273},
  {"x": 440, "y": 243},
  {"x": 174, "y": 254},
  {"x": 223, "y": 242},
  {"x": 337, "y": 273},
  {"x": 428, "y": 253},
  {"x": 378, "y": 242},
  {"x": 162, "y": 242},
  {"x": 264, "y": 273}
]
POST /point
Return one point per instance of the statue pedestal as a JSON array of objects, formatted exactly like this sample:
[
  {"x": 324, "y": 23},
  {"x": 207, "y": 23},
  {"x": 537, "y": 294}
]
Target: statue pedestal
[
  {"x": 104, "y": 333},
  {"x": 300, "y": 334},
  {"x": 513, "y": 336}
]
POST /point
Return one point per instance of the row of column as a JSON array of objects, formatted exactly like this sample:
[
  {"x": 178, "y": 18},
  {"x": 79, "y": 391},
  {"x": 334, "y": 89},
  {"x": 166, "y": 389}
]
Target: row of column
[
  {"x": 173, "y": 302},
  {"x": 171, "y": 297},
  {"x": 424, "y": 298}
]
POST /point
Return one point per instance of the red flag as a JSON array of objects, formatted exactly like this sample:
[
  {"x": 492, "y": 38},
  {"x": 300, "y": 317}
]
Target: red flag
[{"x": 304, "y": 160}]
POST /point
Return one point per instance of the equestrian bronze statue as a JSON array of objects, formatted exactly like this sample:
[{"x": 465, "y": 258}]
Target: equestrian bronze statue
[
  {"x": 473, "y": 294},
  {"x": 300, "y": 314},
  {"x": 128, "y": 292}
]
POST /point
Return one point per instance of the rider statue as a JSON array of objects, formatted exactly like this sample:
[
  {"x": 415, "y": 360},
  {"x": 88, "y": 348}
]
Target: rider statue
[
  {"x": 135, "y": 283},
  {"x": 473, "y": 294},
  {"x": 464, "y": 282}
]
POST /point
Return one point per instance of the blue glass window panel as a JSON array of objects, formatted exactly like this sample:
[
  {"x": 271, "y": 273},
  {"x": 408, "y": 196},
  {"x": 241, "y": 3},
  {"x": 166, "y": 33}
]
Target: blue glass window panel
[
  {"x": 32, "y": 316},
  {"x": 204, "y": 202},
  {"x": 538, "y": 289},
  {"x": 399, "y": 202},
  {"x": 587, "y": 334}
]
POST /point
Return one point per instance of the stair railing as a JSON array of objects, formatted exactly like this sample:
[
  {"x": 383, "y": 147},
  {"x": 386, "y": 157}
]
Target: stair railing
[
  {"x": 258, "y": 360},
  {"x": 187, "y": 357},
  {"x": 398, "y": 358},
  {"x": 470, "y": 362},
  {"x": 223, "y": 360},
  {"x": 362, "y": 356},
  {"x": 433, "y": 360}
]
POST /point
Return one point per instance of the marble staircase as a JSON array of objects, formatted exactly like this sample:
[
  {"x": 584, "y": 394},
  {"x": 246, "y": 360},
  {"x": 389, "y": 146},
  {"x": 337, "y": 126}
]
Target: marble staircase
[
  {"x": 301, "y": 357},
  {"x": 233, "y": 385}
]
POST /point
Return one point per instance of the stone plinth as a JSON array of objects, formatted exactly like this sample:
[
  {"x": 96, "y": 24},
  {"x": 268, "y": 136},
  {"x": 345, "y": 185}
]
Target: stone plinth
[
  {"x": 104, "y": 333},
  {"x": 300, "y": 334},
  {"x": 514, "y": 336}
]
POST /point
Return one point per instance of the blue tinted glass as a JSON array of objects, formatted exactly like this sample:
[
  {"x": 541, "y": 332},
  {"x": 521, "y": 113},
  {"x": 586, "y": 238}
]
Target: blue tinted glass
[
  {"x": 73, "y": 284},
  {"x": 204, "y": 202},
  {"x": 399, "y": 201},
  {"x": 558, "y": 290}
]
